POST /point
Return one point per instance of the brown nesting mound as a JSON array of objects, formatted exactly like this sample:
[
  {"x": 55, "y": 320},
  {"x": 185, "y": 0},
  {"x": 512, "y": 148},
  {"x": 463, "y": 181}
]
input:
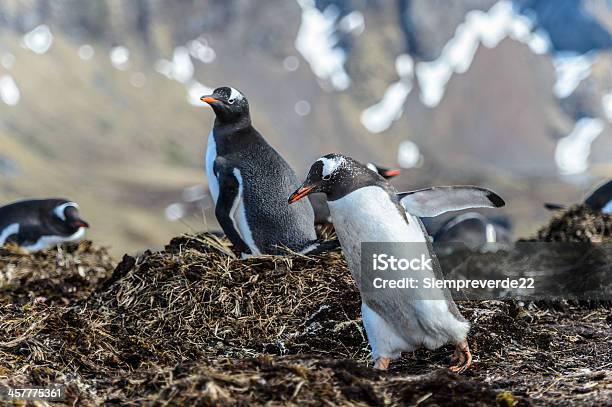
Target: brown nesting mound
[
  {"x": 579, "y": 223},
  {"x": 196, "y": 299},
  {"x": 60, "y": 275}
]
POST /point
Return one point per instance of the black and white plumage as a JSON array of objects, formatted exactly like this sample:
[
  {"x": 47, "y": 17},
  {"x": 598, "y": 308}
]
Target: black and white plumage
[
  {"x": 249, "y": 182},
  {"x": 366, "y": 208},
  {"x": 599, "y": 200},
  {"x": 319, "y": 203},
  {"x": 39, "y": 224}
]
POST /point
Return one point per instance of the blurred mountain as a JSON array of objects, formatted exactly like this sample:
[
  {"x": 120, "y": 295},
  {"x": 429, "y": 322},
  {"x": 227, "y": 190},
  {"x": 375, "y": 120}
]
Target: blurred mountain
[{"x": 100, "y": 98}]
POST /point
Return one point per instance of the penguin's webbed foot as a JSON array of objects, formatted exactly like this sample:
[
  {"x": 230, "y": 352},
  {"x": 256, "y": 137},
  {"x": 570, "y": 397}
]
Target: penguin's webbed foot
[
  {"x": 382, "y": 363},
  {"x": 462, "y": 358}
]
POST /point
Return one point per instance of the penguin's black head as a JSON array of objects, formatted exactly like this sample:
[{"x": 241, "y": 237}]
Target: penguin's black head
[
  {"x": 386, "y": 173},
  {"x": 228, "y": 103},
  {"x": 336, "y": 175},
  {"x": 64, "y": 217}
]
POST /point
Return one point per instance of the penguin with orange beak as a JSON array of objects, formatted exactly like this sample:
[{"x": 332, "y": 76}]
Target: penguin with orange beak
[
  {"x": 249, "y": 182},
  {"x": 364, "y": 208}
]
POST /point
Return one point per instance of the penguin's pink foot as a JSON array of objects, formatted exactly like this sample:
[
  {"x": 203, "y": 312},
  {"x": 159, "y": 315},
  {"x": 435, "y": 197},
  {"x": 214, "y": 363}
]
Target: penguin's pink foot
[
  {"x": 382, "y": 363},
  {"x": 462, "y": 358}
]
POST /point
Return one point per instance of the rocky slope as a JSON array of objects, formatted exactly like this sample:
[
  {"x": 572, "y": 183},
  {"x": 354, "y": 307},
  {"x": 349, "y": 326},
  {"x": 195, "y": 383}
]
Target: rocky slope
[{"x": 100, "y": 98}]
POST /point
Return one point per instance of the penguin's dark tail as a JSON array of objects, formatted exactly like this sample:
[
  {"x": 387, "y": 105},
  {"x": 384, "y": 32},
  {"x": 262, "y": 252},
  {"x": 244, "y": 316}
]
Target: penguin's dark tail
[{"x": 321, "y": 246}]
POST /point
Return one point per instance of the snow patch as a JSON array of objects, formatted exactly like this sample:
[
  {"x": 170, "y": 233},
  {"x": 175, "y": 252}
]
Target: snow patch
[
  {"x": 120, "y": 57},
  {"x": 38, "y": 40},
  {"x": 571, "y": 69},
  {"x": 606, "y": 104},
  {"x": 353, "y": 22},
  {"x": 408, "y": 154},
  {"x": 572, "y": 152},
  {"x": 379, "y": 117},
  {"x": 317, "y": 41},
  {"x": 180, "y": 68},
  {"x": 486, "y": 28},
  {"x": 200, "y": 50},
  {"x": 9, "y": 92},
  {"x": 195, "y": 90}
]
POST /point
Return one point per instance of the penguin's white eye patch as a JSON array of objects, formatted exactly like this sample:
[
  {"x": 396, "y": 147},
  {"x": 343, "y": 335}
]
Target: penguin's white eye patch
[
  {"x": 234, "y": 95},
  {"x": 330, "y": 164},
  {"x": 59, "y": 210}
]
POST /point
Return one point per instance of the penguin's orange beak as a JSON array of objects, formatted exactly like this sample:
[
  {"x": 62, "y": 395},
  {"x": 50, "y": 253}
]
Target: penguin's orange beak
[
  {"x": 80, "y": 223},
  {"x": 300, "y": 193},
  {"x": 208, "y": 99},
  {"x": 392, "y": 173}
]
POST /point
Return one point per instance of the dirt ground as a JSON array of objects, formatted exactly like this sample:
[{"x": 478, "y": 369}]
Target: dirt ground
[{"x": 193, "y": 325}]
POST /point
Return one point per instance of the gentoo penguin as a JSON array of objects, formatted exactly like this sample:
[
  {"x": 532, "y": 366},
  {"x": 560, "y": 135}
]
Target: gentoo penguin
[
  {"x": 249, "y": 183},
  {"x": 319, "y": 204},
  {"x": 38, "y": 224},
  {"x": 599, "y": 200},
  {"x": 366, "y": 208},
  {"x": 474, "y": 230}
]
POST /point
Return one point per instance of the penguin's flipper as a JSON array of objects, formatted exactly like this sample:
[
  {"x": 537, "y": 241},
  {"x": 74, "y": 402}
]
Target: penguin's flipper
[
  {"x": 554, "y": 206},
  {"x": 430, "y": 202},
  {"x": 601, "y": 198},
  {"x": 229, "y": 196}
]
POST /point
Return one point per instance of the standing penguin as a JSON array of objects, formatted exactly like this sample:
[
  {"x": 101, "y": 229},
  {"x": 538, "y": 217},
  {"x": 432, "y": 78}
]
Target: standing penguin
[
  {"x": 319, "y": 204},
  {"x": 249, "y": 182},
  {"x": 38, "y": 224},
  {"x": 366, "y": 208}
]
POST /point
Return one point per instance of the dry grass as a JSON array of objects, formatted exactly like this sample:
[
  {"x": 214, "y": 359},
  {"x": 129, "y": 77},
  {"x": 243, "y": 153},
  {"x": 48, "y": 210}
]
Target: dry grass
[{"x": 193, "y": 325}]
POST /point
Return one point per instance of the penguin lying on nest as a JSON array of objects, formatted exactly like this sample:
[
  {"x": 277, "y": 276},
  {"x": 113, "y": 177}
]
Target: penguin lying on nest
[
  {"x": 474, "y": 230},
  {"x": 599, "y": 200},
  {"x": 35, "y": 225},
  {"x": 365, "y": 208},
  {"x": 249, "y": 182}
]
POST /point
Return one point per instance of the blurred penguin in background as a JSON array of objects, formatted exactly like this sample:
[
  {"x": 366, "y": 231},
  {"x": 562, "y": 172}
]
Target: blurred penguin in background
[
  {"x": 475, "y": 231},
  {"x": 35, "y": 225}
]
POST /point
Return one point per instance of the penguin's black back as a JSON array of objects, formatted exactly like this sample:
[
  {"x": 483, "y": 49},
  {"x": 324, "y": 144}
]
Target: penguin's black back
[
  {"x": 268, "y": 181},
  {"x": 28, "y": 212}
]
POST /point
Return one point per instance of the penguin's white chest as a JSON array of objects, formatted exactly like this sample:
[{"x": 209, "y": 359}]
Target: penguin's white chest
[
  {"x": 408, "y": 321},
  {"x": 44, "y": 242},
  {"x": 369, "y": 215},
  {"x": 211, "y": 156}
]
